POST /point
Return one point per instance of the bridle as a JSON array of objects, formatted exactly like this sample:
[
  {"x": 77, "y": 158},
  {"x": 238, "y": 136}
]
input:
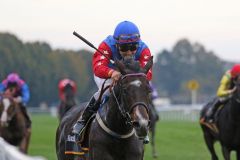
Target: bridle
[{"x": 126, "y": 113}]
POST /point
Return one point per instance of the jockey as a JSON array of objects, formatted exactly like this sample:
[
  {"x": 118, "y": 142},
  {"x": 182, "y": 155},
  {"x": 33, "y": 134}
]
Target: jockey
[
  {"x": 124, "y": 43},
  {"x": 61, "y": 87},
  {"x": 21, "y": 94},
  {"x": 224, "y": 91}
]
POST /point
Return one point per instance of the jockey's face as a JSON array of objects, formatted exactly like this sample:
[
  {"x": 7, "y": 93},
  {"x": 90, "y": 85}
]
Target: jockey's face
[
  {"x": 12, "y": 85},
  {"x": 127, "y": 50}
]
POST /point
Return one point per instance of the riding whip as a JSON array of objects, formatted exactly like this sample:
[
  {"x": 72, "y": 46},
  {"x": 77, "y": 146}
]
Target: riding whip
[{"x": 91, "y": 45}]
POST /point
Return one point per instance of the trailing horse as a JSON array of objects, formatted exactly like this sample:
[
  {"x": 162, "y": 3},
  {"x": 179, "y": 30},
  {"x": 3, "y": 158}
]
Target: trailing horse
[
  {"x": 13, "y": 126},
  {"x": 68, "y": 102},
  {"x": 122, "y": 122},
  {"x": 227, "y": 128}
]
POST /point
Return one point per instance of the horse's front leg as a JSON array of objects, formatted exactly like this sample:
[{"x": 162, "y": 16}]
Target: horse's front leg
[
  {"x": 226, "y": 153},
  {"x": 209, "y": 140},
  {"x": 25, "y": 141},
  {"x": 154, "y": 153}
]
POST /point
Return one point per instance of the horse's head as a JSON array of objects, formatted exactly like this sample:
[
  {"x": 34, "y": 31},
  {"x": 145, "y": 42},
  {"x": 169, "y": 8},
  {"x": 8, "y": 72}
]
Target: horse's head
[
  {"x": 8, "y": 108},
  {"x": 236, "y": 93},
  {"x": 134, "y": 95},
  {"x": 69, "y": 95}
]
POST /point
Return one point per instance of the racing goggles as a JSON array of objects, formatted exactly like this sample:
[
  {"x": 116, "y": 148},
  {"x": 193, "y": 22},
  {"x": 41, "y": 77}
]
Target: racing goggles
[
  {"x": 129, "y": 38},
  {"x": 128, "y": 46}
]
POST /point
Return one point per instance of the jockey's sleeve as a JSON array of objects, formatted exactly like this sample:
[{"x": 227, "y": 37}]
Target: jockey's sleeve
[
  {"x": 145, "y": 56},
  {"x": 224, "y": 86},
  {"x": 2, "y": 88},
  {"x": 100, "y": 64},
  {"x": 25, "y": 93}
]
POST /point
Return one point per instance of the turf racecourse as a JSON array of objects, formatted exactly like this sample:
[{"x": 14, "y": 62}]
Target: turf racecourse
[{"x": 175, "y": 140}]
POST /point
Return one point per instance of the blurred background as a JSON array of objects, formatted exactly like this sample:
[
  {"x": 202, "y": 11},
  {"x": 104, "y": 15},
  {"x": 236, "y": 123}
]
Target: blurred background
[{"x": 193, "y": 42}]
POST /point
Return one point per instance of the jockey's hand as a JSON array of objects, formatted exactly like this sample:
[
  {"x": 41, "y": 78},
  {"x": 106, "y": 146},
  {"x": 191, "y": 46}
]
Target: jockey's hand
[
  {"x": 232, "y": 90},
  {"x": 115, "y": 76},
  {"x": 18, "y": 99}
]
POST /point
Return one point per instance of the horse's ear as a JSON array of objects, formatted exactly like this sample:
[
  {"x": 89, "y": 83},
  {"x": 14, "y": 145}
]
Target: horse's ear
[
  {"x": 120, "y": 66},
  {"x": 148, "y": 65}
]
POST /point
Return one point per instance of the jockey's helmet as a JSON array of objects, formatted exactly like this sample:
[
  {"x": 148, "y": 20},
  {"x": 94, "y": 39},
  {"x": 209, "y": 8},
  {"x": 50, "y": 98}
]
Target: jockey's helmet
[
  {"x": 64, "y": 82},
  {"x": 13, "y": 77},
  {"x": 126, "y": 32},
  {"x": 235, "y": 71},
  {"x": 13, "y": 80}
]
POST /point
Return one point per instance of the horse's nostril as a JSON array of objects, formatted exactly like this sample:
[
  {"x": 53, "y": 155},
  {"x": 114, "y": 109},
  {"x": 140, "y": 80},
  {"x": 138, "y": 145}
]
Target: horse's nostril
[{"x": 149, "y": 122}]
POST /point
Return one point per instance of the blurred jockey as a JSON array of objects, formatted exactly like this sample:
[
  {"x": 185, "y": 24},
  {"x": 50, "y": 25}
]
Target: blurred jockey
[
  {"x": 21, "y": 93},
  {"x": 124, "y": 43},
  {"x": 67, "y": 90},
  {"x": 63, "y": 84},
  {"x": 224, "y": 91}
]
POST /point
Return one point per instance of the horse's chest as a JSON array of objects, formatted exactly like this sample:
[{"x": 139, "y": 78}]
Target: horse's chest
[{"x": 113, "y": 148}]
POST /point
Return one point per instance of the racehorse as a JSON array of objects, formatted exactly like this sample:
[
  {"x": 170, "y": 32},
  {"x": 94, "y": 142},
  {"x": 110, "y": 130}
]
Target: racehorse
[
  {"x": 121, "y": 123},
  {"x": 68, "y": 102},
  {"x": 227, "y": 127},
  {"x": 154, "y": 118},
  {"x": 13, "y": 126}
]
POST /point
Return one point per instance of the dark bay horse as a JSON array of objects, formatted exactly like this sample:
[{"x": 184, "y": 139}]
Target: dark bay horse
[
  {"x": 120, "y": 125},
  {"x": 228, "y": 127},
  {"x": 68, "y": 102},
  {"x": 13, "y": 126}
]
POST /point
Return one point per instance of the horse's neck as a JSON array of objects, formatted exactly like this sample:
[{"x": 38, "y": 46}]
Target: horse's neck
[
  {"x": 114, "y": 119},
  {"x": 18, "y": 120},
  {"x": 235, "y": 109},
  {"x": 70, "y": 101}
]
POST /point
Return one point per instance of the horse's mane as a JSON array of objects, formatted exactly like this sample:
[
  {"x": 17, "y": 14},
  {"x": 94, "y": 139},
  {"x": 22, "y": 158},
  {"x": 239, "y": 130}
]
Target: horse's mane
[{"x": 131, "y": 65}]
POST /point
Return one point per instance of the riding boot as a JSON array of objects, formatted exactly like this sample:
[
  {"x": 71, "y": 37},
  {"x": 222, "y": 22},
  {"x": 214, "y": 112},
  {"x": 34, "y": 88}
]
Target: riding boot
[
  {"x": 78, "y": 127},
  {"x": 210, "y": 115}
]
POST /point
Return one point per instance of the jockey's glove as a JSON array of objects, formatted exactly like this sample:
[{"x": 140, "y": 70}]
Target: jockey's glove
[
  {"x": 232, "y": 90},
  {"x": 115, "y": 76}
]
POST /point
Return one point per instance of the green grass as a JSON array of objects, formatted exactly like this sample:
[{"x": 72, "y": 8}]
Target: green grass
[
  {"x": 43, "y": 136},
  {"x": 174, "y": 140}
]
